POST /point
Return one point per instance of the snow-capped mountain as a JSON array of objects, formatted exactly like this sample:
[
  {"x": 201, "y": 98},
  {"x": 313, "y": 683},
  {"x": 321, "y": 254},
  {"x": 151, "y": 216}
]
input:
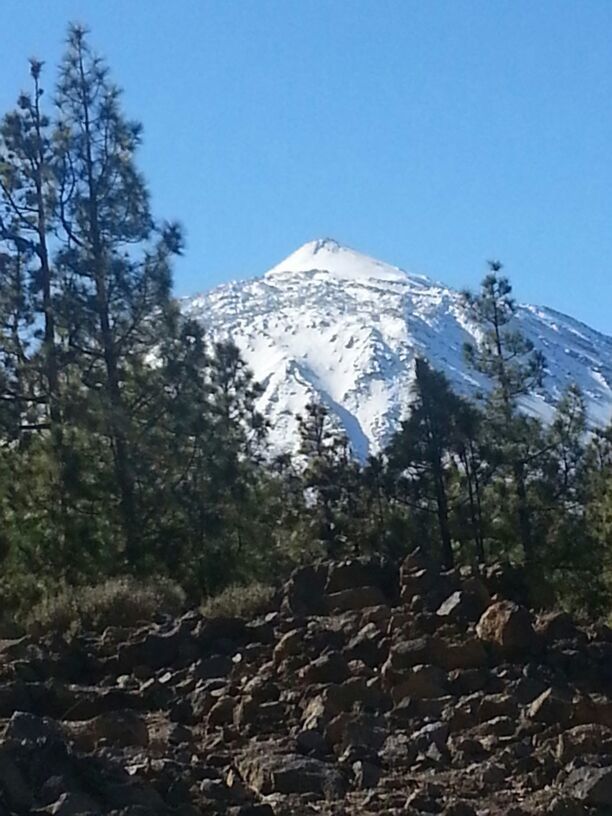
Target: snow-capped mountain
[{"x": 336, "y": 325}]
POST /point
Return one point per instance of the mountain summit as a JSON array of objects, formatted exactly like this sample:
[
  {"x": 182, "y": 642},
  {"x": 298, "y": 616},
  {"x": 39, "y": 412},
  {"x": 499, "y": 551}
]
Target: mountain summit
[
  {"x": 328, "y": 256},
  {"x": 332, "y": 324}
]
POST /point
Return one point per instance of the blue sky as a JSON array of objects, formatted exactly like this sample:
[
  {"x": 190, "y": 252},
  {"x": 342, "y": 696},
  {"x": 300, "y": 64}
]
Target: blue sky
[{"x": 430, "y": 134}]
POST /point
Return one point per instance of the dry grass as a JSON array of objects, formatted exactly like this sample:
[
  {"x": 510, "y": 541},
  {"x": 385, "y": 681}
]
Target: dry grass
[
  {"x": 240, "y": 601},
  {"x": 116, "y": 602}
]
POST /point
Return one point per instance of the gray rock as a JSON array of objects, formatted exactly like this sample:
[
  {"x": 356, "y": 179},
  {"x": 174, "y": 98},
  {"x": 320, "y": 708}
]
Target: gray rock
[
  {"x": 365, "y": 774},
  {"x": 590, "y": 785},
  {"x": 432, "y": 733},
  {"x": 268, "y": 772}
]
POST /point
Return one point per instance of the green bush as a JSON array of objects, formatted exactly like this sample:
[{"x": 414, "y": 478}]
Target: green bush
[
  {"x": 122, "y": 601},
  {"x": 238, "y": 601}
]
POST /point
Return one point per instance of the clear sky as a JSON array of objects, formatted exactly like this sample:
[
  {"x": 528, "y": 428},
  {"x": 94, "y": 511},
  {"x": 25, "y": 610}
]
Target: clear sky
[{"x": 430, "y": 134}]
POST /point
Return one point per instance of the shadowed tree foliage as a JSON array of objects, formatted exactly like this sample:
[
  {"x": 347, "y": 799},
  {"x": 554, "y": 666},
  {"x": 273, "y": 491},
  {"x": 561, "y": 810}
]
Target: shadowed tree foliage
[{"x": 437, "y": 457}]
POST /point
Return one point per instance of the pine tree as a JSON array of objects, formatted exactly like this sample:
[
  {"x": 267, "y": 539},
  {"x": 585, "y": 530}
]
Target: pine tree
[
  {"x": 27, "y": 190},
  {"x": 114, "y": 260},
  {"x": 506, "y": 356},
  {"x": 28, "y": 223},
  {"x": 573, "y": 554},
  {"x": 18, "y": 403},
  {"x": 597, "y": 476},
  {"x": 329, "y": 478},
  {"x": 131, "y": 441},
  {"x": 238, "y": 432},
  {"x": 423, "y": 446},
  {"x": 475, "y": 470},
  {"x": 203, "y": 516},
  {"x": 566, "y": 446}
]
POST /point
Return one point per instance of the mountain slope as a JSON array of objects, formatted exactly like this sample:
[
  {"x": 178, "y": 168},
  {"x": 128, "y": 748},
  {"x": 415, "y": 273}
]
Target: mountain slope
[{"x": 333, "y": 324}]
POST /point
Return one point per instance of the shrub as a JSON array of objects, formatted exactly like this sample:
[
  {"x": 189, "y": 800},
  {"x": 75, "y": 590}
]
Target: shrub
[
  {"x": 120, "y": 601},
  {"x": 20, "y": 593},
  {"x": 240, "y": 601}
]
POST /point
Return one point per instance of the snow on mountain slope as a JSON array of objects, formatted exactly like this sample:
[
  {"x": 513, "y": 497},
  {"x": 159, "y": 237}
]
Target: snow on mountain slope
[{"x": 332, "y": 324}]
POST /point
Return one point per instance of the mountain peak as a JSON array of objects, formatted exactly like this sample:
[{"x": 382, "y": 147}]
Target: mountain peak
[
  {"x": 329, "y": 244},
  {"x": 326, "y": 255}
]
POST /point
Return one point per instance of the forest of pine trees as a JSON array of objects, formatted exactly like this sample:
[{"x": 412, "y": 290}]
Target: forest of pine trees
[{"x": 130, "y": 442}]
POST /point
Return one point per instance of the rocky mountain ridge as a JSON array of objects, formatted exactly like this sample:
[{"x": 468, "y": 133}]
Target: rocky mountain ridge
[
  {"x": 366, "y": 688},
  {"x": 333, "y": 325}
]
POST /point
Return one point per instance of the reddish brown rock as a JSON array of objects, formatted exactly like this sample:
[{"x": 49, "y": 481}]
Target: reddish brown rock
[{"x": 507, "y": 626}]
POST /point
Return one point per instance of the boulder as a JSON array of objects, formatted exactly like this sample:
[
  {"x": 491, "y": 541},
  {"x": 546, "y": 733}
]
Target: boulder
[
  {"x": 267, "y": 772},
  {"x": 420, "y": 682},
  {"x": 290, "y": 644},
  {"x": 590, "y": 785},
  {"x": 312, "y": 742},
  {"x": 398, "y": 750},
  {"x": 565, "y": 806},
  {"x": 365, "y": 774},
  {"x": 353, "y": 599},
  {"x": 459, "y": 808},
  {"x": 318, "y": 711},
  {"x": 506, "y": 580},
  {"x": 153, "y": 649},
  {"x": 351, "y": 730},
  {"x": 16, "y": 790},
  {"x": 247, "y": 712},
  {"x": 507, "y": 626},
  {"x": 462, "y": 606},
  {"x": 368, "y": 645},
  {"x": 404, "y": 655},
  {"x": 360, "y": 572},
  {"x": 329, "y": 668},
  {"x": 551, "y": 707},
  {"x": 417, "y": 583},
  {"x": 417, "y": 559},
  {"x": 222, "y": 712},
  {"x": 435, "y": 733},
  {"x": 213, "y": 667},
  {"x": 467, "y": 653},
  {"x": 304, "y": 592},
  {"x": 582, "y": 740},
  {"x": 252, "y": 809},
  {"x": 348, "y": 575},
  {"x": 492, "y": 706},
  {"x": 366, "y": 693},
  {"x": 556, "y": 626},
  {"x": 26, "y": 726},
  {"x": 118, "y": 728},
  {"x": 593, "y": 709},
  {"x": 262, "y": 688},
  {"x": 74, "y": 804}
]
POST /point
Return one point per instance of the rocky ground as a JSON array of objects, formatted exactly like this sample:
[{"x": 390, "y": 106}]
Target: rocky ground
[{"x": 370, "y": 689}]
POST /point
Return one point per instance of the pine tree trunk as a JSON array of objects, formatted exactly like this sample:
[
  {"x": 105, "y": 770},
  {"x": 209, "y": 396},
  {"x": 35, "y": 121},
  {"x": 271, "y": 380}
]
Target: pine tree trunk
[
  {"x": 474, "y": 516},
  {"x": 49, "y": 349},
  {"x": 117, "y": 412},
  {"x": 49, "y": 346},
  {"x": 480, "y": 526},
  {"x": 117, "y": 418},
  {"x": 51, "y": 367},
  {"x": 524, "y": 521},
  {"x": 442, "y": 513}
]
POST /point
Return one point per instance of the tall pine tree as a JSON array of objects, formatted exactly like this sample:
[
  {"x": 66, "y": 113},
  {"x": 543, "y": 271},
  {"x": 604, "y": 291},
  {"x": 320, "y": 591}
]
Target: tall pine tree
[
  {"x": 114, "y": 260},
  {"x": 509, "y": 359}
]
